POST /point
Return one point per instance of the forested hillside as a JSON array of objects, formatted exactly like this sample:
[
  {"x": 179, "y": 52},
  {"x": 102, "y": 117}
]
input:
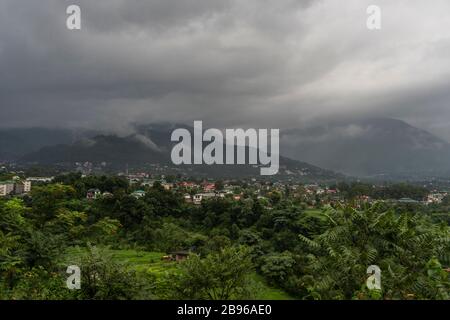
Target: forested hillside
[{"x": 277, "y": 247}]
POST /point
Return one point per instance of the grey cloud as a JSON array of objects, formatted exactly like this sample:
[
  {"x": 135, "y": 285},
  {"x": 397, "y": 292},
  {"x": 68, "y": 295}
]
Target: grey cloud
[{"x": 230, "y": 63}]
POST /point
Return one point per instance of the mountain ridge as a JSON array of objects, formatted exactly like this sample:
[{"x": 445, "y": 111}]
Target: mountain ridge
[
  {"x": 377, "y": 146},
  {"x": 371, "y": 147},
  {"x": 140, "y": 148}
]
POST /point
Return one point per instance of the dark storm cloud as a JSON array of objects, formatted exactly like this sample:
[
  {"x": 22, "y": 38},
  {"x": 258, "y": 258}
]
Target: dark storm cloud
[{"x": 227, "y": 62}]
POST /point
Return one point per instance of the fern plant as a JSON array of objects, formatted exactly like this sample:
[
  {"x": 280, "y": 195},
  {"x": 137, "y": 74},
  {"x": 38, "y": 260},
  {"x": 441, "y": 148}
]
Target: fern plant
[{"x": 410, "y": 250}]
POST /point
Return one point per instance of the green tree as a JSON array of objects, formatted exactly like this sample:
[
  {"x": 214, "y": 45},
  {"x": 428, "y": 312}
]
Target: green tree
[
  {"x": 102, "y": 278},
  {"x": 277, "y": 266},
  {"x": 219, "y": 276},
  {"x": 48, "y": 199},
  {"x": 402, "y": 245}
]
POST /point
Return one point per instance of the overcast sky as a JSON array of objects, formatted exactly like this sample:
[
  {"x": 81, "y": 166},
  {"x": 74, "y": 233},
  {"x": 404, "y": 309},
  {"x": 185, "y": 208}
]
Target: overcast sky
[{"x": 230, "y": 63}]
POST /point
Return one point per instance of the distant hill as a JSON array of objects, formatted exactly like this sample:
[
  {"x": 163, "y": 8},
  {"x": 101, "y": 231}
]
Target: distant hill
[
  {"x": 103, "y": 148},
  {"x": 151, "y": 144},
  {"x": 380, "y": 147},
  {"x": 16, "y": 142},
  {"x": 373, "y": 148}
]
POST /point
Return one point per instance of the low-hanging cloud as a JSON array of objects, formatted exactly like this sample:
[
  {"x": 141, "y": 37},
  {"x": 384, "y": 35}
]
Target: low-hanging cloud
[{"x": 230, "y": 63}]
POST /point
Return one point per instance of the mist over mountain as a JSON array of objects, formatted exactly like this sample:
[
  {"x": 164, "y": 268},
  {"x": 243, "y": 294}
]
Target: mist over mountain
[
  {"x": 132, "y": 149},
  {"x": 374, "y": 148},
  {"x": 369, "y": 147},
  {"x": 147, "y": 143},
  {"x": 151, "y": 144},
  {"x": 17, "y": 142}
]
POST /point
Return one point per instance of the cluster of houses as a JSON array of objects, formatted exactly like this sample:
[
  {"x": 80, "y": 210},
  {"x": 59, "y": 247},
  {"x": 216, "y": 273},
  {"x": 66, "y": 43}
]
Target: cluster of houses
[
  {"x": 204, "y": 190},
  {"x": 144, "y": 180},
  {"x": 88, "y": 167},
  {"x": 40, "y": 179},
  {"x": 436, "y": 197},
  {"x": 92, "y": 194},
  {"x": 207, "y": 190},
  {"x": 96, "y": 193},
  {"x": 16, "y": 186},
  {"x": 196, "y": 192}
]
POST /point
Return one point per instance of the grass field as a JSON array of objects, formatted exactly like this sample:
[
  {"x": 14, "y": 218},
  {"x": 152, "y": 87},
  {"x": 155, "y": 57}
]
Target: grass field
[
  {"x": 269, "y": 293},
  {"x": 316, "y": 213},
  {"x": 144, "y": 261}
]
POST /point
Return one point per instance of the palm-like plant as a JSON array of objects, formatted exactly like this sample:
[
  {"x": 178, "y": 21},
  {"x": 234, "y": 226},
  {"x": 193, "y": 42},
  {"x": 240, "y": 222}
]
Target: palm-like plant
[{"x": 407, "y": 247}]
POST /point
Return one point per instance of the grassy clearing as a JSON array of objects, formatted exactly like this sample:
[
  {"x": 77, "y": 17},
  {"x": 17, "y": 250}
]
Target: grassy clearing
[
  {"x": 140, "y": 261},
  {"x": 269, "y": 293},
  {"x": 316, "y": 213},
  {"x": 150, "y": 262}
]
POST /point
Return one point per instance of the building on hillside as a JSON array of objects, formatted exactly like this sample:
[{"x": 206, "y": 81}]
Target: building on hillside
[
  {"x": 199, "y": 197},
  {"x": 407, "y": 200},
  {"x": 138, "y": 194},
  {"x": 93, "y": 193},
  {"x": 26, "y": 186},
  {"x": 6, "y": 188},
  {"x": 187, "y": 198},
  {"x": 179, "y": 255},
  {"x": 22, "y": 187},
  {"x": 14, "y": 187},
  {"x": 167, "y": 186},
  {"x": 137, "y": 176},
  {"x": 436, "y": 197},
  {"x": 40, "y": 179},
  {"x": 148, "y": 183},
  {"x": 18, "y": 188},
  {"x": 209, "y": 187},
  {"x": 187, "y": 184}
]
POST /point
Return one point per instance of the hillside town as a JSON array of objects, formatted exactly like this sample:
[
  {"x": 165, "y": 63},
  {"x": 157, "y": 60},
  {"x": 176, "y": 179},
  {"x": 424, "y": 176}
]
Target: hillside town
[{"x": 195, "y": 191}]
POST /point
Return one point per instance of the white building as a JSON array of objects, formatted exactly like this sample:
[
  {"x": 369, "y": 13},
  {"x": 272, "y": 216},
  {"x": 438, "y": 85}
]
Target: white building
[
  {"x": 199, "y": 197},
  {"x": 436, "y": 197},
  {"x": 26, "y": 186},
  {"x": 21, "y": 187},
  {"x": 40, "y": 179},
  {"x": 138, "y": 194},
  {"x": 6, "y": 187}
]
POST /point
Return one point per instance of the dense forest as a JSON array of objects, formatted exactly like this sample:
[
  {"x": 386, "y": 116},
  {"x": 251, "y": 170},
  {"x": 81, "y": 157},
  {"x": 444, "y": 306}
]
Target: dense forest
[{"x": 234, "y": 246}]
